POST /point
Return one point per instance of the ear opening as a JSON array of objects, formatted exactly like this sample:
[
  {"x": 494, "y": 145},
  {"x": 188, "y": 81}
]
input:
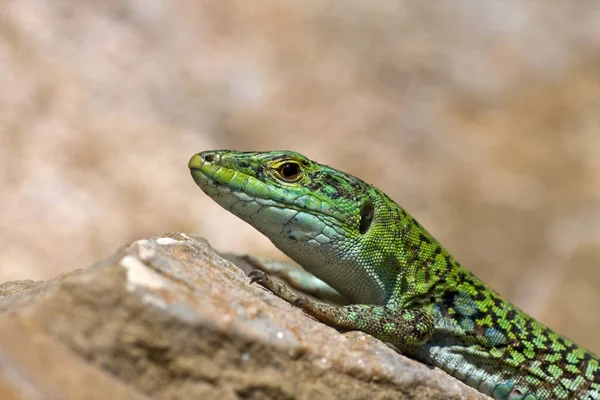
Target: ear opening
[{"x": 367, "y": 212}]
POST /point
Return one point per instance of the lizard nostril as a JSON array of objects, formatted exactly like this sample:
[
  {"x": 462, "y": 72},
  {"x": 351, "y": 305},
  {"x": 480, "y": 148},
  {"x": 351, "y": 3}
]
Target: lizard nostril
[{"x": 209, "y": 157}]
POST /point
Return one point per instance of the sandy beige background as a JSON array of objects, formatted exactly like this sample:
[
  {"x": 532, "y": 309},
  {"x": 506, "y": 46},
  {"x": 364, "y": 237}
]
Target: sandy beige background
[{"x": 482, "y": 119}]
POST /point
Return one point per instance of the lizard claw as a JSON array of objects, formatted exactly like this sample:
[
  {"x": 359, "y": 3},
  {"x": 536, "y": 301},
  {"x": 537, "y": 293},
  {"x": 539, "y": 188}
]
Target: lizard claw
[{"x": 257, "y": 276}]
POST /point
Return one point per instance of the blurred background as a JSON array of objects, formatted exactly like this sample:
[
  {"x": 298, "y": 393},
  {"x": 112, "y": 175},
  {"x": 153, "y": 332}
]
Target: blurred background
[{"x": 480, "y": 118}]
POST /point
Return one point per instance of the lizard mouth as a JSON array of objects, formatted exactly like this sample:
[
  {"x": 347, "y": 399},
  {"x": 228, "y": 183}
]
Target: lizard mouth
[
  {"x": 209, "y": 173},
  {"x": 201, "y": 178}
]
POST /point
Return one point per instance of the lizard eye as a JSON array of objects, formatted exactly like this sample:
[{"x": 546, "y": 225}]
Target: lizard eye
[{"x": 289, "y": 171}]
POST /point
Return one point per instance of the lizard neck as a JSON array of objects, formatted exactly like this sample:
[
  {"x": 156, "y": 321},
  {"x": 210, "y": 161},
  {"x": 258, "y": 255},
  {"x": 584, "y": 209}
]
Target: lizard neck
[{"x": 363, "y": 266}]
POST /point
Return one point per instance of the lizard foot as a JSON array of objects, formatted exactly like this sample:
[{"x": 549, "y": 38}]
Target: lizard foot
[{"x": 258, "y": 276}]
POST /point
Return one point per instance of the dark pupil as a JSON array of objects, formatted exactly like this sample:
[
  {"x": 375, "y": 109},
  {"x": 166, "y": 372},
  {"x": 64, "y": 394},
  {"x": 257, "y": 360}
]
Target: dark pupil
[{"x": 289, "y": 170}]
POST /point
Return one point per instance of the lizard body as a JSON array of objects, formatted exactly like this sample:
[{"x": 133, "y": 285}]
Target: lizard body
[{"x": 401, "y": 285}]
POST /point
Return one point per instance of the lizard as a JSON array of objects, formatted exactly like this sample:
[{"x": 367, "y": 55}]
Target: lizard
[{"x": 401, "y": 285}]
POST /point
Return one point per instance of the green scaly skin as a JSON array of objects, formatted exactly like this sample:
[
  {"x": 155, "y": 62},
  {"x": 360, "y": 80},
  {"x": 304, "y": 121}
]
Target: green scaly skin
[{"x": 400, "y": 284}]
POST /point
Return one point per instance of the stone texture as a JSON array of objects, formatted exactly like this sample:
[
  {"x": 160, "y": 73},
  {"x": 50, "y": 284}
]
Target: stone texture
[{"x": 167, "y": 318}]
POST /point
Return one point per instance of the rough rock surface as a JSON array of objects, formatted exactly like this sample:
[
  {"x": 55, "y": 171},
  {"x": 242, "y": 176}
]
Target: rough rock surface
[{"x": 168, "y": 318}]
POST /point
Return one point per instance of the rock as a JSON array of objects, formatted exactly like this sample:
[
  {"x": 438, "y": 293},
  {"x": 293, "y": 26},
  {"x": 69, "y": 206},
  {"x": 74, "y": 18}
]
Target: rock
[{"x": 168, "y": 318}]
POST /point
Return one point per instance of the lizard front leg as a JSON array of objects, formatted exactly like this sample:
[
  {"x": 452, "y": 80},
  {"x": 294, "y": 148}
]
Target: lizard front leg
[
  {"x": 400, "y": 327},
  {"x": 298, "y": 278}
]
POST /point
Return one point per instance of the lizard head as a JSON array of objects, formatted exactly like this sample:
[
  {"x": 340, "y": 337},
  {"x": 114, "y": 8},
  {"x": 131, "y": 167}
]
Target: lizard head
[
  {"x": 318, "y": 216},
  {"x": 268, "y": 189}
]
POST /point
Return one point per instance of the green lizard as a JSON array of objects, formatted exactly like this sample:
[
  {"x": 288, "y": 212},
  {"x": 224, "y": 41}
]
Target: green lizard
[{"x": 400, "y": 284}]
